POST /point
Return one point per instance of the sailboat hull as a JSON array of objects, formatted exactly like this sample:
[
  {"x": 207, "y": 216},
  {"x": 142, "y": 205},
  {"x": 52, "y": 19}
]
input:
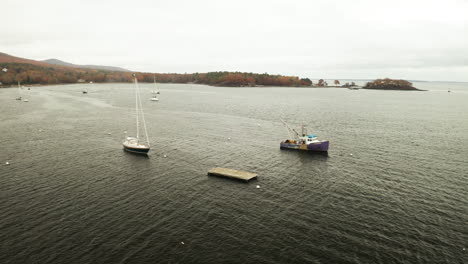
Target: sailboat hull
[{"x": 143, "y": 151}]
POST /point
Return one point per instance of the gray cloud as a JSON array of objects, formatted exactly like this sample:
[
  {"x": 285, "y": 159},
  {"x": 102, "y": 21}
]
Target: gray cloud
[{"x": 329, "y": 39}]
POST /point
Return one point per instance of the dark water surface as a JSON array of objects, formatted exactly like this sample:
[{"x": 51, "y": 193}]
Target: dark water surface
[{"x": 71, "y": 195}]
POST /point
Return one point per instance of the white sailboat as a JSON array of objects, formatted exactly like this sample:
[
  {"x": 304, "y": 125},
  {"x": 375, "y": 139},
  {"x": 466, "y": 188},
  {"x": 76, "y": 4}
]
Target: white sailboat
[
  {"x": 155, "y": 92},
  {"x": 19, "y": 92},
  {"x": 133, "y": 144},
  {"x": 85, "y": 91},
  {"x": 20, "y": 97},
  {"x": 154, "y": 98}
]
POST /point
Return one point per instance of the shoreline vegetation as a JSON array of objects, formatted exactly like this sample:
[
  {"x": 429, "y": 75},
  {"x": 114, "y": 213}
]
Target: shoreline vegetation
[
  {"x": 34, "y": 73},
  {"x": 31, "y": 74}
]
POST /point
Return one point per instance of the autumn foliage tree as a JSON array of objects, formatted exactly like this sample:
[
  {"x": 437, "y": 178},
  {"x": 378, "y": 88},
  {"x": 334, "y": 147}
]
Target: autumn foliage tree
[{"x": 321, "y": 82}]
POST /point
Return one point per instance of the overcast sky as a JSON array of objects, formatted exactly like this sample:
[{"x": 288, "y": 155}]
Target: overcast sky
[{"x": 360, "y": 39}]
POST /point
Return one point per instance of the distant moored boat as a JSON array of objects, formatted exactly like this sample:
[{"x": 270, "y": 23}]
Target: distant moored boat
[
  {"x": 19, "y": 92},
  {"x": 155, "y": 92}
]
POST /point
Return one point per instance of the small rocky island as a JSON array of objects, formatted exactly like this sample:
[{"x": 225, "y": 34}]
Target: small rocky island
[{"x": 390, "y": 84}]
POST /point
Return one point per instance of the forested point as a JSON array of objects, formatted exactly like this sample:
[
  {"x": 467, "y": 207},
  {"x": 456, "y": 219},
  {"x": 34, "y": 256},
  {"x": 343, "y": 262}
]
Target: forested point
[
  {"x": 390, "y": 84},
  {"x": 36, "y": 74}
]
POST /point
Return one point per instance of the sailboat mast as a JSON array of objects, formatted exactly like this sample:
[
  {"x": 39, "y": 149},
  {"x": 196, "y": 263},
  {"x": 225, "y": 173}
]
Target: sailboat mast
[
  {"x": 155, "y": 86},
  {"x": 143, "y": 116},
  {"x": 136, "y": 108},
  {"x": 140, "y": 106}
]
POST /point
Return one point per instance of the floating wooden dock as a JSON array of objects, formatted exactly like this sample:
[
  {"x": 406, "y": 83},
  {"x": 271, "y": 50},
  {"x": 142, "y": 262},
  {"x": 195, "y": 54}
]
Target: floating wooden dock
[{"x": 230, "y": 173}]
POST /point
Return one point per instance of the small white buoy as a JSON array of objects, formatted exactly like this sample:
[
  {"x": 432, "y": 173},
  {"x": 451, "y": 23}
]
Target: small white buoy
[
  {"x": 109, "y": 134},
  {"x": 464, "y": 248},
  {"x": 351, "y": 154},
  {"x": 182, "y": 242},
  {"x": 7, "y": 163},
  {"x": 258, "y": 186},
  {"x": 165, "y": 156},
  {"x": 229, "y": 138}
]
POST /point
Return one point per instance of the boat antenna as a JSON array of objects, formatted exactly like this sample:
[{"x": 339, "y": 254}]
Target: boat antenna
[{"x": 303, "y": 129}]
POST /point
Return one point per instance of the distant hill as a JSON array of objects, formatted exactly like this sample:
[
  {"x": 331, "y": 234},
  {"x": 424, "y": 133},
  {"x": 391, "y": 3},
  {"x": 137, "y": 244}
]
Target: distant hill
[
  {"x": 97, "y": 67},
  {"x": 6, "y": 58}
]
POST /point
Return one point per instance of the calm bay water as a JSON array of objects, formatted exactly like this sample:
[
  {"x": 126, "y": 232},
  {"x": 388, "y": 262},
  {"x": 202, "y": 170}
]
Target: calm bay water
[{"x": 393, "y": 188}]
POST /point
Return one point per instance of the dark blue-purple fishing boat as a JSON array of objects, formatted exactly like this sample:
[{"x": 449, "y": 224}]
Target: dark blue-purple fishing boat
[{"x": 304, "y": 141}]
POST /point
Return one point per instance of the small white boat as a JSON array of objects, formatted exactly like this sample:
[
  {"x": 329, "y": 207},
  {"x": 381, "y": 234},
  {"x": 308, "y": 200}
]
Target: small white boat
[
  {"x": 154, "y": 96},
  {"x": 19, "y": 98},
  {"x": 26, "y": 100},
  {"x": 131, "y": 144},
  {"x": 155, "y": 92}
]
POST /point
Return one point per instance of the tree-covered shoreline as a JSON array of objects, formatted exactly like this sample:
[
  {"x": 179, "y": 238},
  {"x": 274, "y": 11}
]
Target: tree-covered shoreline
[{"x": 29, "y": 74}]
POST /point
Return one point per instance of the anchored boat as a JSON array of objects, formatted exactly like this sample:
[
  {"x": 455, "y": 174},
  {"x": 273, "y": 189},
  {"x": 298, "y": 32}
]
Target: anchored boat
[
  {"x": 303, "y": 141},
  {"x": 133, "y": 144},
  {"x": 19, "y": 92},
  {"x": 154, "y": 97},
  {"x": 155, "y": 92}
]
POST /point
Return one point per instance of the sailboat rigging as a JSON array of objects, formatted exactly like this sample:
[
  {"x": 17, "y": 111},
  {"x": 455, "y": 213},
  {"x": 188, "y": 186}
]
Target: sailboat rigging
[{"x": 133, "y": 144}]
